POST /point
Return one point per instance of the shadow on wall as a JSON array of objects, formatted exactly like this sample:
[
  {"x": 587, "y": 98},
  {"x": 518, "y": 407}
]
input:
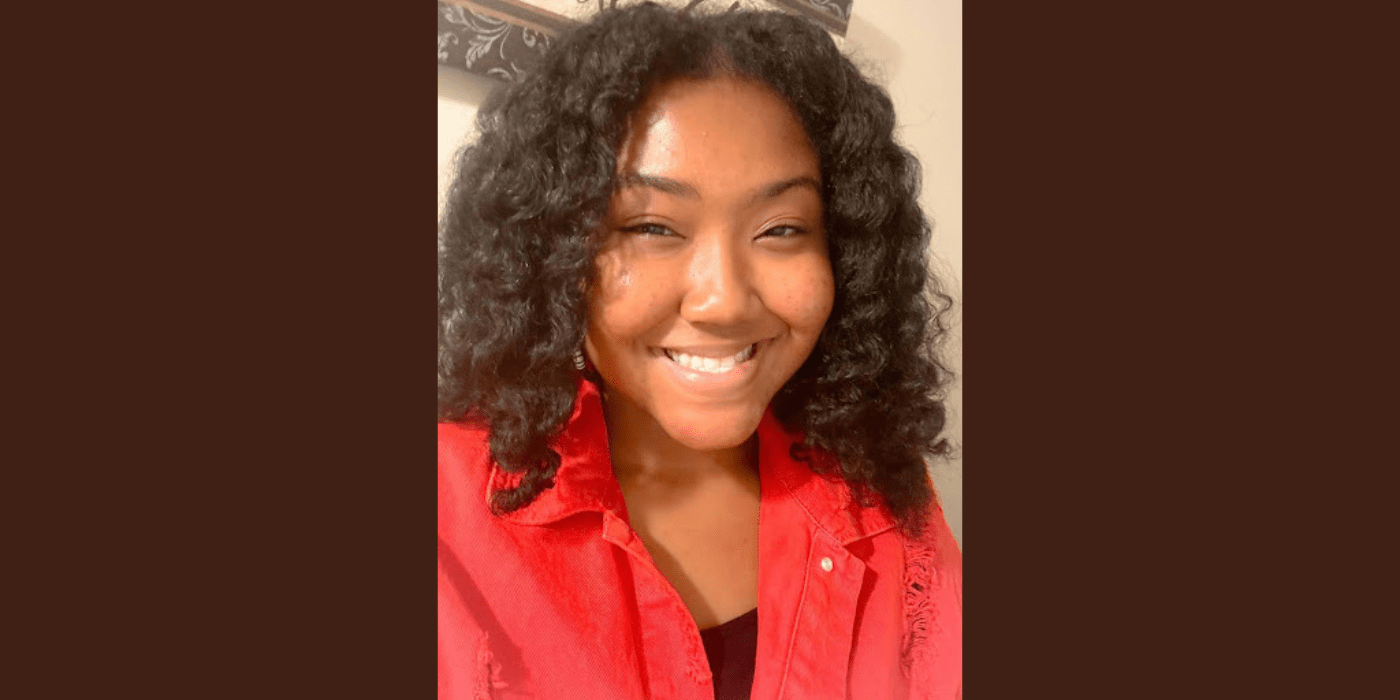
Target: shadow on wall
[
  {"x": 459, "y": 95},
  {"x": 461, "y": 86}
]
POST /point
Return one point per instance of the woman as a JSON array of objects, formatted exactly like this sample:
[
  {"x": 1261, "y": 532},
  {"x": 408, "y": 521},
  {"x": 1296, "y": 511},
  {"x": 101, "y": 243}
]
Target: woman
[{"x": 686, "y": 384}]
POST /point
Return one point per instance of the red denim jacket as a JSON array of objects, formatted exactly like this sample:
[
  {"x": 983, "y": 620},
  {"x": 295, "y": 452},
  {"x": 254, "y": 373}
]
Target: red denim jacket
[{"x": 561, "y": 600}]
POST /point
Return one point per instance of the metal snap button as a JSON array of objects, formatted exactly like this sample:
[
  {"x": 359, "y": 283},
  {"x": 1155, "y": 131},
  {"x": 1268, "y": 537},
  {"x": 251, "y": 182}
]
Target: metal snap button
[{"x": 826, "y": 564}]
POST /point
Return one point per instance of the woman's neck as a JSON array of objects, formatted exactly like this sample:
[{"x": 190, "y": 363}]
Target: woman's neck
[{"x": 695, "y": 511}]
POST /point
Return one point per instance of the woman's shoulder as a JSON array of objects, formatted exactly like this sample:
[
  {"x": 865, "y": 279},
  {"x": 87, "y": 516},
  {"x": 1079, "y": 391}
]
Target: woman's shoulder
[
  {"x": 935, "y": 555},
  {"x": 462, "y": 441},
  {"x": 932, "y": 591},
  {"x": 464, "y": 468}
]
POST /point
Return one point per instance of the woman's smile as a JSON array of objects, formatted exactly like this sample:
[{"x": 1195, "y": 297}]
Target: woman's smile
[
  {"x": 705, "y": 360},
  {"x": 712, "y": 372}
]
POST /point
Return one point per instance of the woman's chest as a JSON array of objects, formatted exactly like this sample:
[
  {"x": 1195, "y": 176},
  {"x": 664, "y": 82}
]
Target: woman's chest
[
  {"x": 570, "y": 616},
  {"x": 705, "y": 547}
]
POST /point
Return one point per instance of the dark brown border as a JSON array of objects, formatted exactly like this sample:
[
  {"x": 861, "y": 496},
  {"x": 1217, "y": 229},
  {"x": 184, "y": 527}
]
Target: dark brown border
[
  {"x": 1166, "y": 396},
  {"x": 236, "y": 376}
]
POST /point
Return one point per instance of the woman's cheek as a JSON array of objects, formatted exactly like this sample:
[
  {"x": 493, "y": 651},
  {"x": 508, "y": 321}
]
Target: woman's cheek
[
  {"x": 612, "y": 277},
  {"x": 810, "y": 296},
  {"x": 628, "y": 300}
]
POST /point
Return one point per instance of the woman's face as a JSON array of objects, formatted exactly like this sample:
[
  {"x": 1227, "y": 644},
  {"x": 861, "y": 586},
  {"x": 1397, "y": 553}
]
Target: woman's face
[{"x": 714, "y": 281}]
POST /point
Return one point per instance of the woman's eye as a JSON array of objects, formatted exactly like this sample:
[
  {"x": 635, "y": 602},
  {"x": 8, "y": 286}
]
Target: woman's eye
[
  {"x": 781, "y": 232},
  {"x": 649, "y": 230}
]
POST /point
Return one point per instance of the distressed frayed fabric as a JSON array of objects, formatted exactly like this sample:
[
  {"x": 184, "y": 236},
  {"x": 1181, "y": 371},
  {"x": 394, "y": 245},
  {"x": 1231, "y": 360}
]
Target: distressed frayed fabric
[{"x": 560, "y": 599}]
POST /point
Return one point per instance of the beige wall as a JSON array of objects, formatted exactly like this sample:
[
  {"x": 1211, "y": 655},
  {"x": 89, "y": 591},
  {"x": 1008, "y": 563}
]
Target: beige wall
[{"x": 914, "y": 49}]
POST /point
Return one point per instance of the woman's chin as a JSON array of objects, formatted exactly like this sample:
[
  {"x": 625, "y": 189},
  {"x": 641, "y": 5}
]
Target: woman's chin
[{"x": 709, "y": 433}]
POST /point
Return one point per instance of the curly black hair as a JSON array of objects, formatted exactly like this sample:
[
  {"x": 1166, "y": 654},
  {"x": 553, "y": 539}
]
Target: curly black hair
[{"x": 524, "y": 222}]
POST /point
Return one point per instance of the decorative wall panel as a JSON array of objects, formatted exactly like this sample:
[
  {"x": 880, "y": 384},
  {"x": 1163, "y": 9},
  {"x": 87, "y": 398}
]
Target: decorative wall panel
[{"x": 503, "y": 38}]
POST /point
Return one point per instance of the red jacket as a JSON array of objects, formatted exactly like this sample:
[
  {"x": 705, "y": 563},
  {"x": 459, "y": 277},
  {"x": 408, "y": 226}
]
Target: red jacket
[{"x": 561, "y": 600}]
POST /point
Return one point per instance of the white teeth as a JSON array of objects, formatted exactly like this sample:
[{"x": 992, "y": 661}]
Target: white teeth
[{"x": 710, "y": 365}]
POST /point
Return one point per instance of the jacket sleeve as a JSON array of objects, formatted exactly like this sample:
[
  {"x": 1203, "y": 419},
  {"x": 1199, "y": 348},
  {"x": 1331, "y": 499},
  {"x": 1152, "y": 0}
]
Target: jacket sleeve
[
  {"x": 465, "y": 667},
  {"x": 933, "y": 611}
]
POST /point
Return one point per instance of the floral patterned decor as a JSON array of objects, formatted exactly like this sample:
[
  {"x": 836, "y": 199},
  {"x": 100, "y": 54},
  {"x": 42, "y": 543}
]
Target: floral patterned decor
[{"x": 502, "y": 38}]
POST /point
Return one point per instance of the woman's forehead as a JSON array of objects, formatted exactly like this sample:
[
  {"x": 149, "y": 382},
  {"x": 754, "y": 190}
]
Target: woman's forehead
[{"x": 717, "y": 127}]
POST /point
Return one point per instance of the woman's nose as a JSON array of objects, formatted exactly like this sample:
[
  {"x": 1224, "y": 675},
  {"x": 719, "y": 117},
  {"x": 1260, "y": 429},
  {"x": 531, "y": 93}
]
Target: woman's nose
[{"x": 720, "y": 288}]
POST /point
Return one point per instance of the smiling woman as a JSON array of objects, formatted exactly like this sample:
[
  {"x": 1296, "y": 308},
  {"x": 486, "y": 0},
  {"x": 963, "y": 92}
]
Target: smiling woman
[{"x": 686, "y": 379}]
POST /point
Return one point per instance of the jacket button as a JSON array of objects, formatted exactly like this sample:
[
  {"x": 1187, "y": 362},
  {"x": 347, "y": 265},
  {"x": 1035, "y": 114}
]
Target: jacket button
[{"x": 826, "y": 564}]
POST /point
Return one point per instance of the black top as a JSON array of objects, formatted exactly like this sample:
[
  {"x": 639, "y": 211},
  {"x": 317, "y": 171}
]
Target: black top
[{"x": 731, "y": 649}]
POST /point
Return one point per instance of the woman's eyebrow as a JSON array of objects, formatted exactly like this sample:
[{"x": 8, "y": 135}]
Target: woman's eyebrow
[
  {"x": 678, "y": 188},
  {"x": 781, "y": 186},
  {"x": 633, "y": 178}
]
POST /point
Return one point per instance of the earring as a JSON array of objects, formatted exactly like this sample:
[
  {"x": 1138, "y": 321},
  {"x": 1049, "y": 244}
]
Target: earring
[{"x": 578, "y": 359}]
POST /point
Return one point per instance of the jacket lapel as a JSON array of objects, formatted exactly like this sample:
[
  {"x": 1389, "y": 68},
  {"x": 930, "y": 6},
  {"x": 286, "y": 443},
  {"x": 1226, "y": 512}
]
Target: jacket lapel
[{"x": 810, "y": 582}]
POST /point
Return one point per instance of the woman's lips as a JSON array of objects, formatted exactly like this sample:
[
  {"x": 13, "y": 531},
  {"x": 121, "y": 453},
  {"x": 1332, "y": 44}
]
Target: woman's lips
[
  {"x": 709, "y": 373},
  {"x": 710, "y": 363}
]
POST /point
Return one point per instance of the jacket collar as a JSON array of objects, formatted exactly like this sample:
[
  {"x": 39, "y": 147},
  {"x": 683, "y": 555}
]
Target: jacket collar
[
  {"x": 826, "y": 499},
  {"x": 585, "y": 481}
]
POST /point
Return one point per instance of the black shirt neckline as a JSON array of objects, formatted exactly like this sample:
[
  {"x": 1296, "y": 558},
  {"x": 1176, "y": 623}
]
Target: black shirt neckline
[{"x": 731, "y": 649}]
